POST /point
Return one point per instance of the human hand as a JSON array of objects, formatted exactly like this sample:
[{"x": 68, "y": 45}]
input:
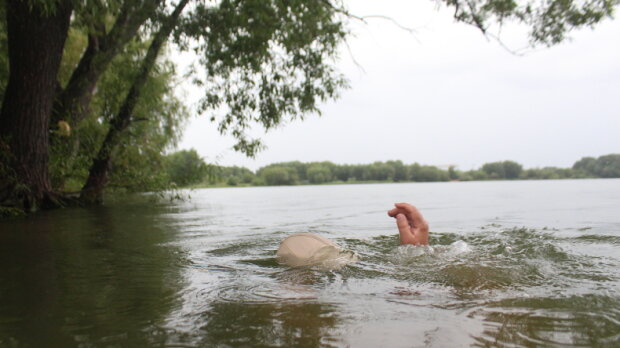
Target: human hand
[{"x": 412, "y": 227}]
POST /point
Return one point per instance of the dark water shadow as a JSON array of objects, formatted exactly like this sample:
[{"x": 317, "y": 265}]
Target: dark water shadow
[{"x": 87, "y": 277}]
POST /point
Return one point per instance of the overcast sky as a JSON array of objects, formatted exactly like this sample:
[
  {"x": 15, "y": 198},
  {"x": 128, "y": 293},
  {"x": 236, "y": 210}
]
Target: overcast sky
[{"x": 446, "y": 95}]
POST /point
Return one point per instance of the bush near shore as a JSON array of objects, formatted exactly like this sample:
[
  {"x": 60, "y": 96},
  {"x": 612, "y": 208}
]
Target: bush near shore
[{"x": 186, "y": 168}]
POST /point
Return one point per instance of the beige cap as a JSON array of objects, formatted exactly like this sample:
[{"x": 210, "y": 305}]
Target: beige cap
[{"x": 305, "y": 248}]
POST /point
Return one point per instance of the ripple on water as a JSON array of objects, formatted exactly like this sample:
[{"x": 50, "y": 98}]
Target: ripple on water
[
  {"x": 524, "y": 285},
  {"x": 257, "y": 291},
  {"x": 590, "y": 320},
  {"x": 598, "y": 239}
]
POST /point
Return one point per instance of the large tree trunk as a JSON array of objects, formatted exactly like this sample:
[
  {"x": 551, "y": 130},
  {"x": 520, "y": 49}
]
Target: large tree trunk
[
  {"x": 35, "y": 43},
  {"x": 99, "y": 172}
]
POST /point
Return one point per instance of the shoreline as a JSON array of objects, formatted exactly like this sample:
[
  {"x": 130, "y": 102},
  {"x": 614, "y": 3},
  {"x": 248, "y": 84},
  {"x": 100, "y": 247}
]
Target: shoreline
[{"x": 371, "y": 182}]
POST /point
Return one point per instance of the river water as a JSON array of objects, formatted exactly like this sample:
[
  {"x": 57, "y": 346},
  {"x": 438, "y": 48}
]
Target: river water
[{"x": 515, "y": 264}]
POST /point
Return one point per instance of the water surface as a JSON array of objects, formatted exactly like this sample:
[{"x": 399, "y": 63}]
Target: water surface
[{"x": 515, "y": 264}]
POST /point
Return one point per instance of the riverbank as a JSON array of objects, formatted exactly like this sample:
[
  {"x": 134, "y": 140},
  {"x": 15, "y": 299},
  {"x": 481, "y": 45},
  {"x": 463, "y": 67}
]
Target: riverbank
[
  {"x": 370, "y": 182},
  {"x": 352, "y": 182},
  {"x": 327, "y": 173}
]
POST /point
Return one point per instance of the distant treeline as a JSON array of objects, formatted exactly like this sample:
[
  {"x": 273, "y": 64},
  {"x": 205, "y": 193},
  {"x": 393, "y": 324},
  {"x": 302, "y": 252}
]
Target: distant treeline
[{"x": 187, "y": 168}]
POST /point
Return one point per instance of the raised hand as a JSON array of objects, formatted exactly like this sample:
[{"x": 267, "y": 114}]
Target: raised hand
[{"x": 412, "y": 227}]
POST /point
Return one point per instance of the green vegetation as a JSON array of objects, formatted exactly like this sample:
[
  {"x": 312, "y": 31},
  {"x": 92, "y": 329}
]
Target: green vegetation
[
  {"x": 299, "y": 173},
  {"x": 185, "y": 168},
  {"x": 138, "y": 159},
  {"x": 502, "y": 170},
  {"x": 100, "y": 106},
  {"x": 87, "y": 86},
  {"x": 605, "y": 166}
]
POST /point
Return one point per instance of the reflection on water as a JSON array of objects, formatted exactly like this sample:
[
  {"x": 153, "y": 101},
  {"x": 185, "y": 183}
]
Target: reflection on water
[
  {"x": 97, "y": 277},
  {"x": 514, "y": 264},
  {"x": 284, "y": 324}
]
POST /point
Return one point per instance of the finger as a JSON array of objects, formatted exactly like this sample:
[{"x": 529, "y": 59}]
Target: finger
[
  {"x": 394, "y": 211},
  {"x": 406, "y": 236},
  {"x": 420, "y": 235},
  {"x": 415, "y": 217}
]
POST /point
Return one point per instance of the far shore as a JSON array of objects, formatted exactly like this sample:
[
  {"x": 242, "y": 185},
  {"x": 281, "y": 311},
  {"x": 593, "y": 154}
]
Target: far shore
[{"x": 370, "y": 182}]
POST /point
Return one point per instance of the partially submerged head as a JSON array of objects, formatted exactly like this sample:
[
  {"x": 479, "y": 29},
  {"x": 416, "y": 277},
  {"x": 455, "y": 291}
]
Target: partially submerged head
[{"x": 306, "y": 249}]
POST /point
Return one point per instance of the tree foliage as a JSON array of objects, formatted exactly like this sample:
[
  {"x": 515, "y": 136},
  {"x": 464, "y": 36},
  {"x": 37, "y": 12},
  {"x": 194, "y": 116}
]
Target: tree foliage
[
  {"x": 318, "y": 174},
  {"x": 279, "y": 175},
  {"x": 503, "y": 170},
  {"x": 295, "y": 173},
  {"x": 186, "y": 167},
  {"x": 159, "y": 115},
  {"x": 549, "y": 21},
  {"x": 607, "y": 166},
  {"x": 266, "y": 62},
  {"x": 261, "y": 63}
]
